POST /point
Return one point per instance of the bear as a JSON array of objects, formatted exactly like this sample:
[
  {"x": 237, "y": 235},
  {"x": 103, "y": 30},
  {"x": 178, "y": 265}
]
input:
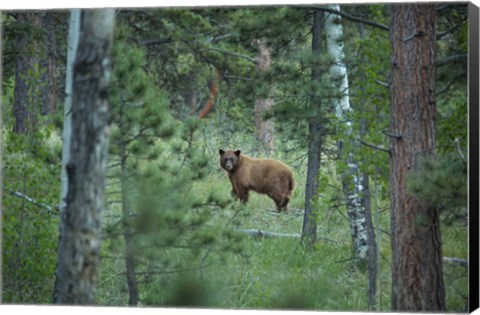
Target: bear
[{"x": 264, "y": 176}]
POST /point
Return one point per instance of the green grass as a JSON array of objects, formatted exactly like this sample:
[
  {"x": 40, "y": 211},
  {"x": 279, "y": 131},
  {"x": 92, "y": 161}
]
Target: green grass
[{"x": 277, "y": 273}]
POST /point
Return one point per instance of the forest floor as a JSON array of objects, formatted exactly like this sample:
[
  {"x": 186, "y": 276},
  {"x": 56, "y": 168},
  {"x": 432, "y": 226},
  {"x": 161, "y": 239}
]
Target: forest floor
[{"x": 278, "y": 273}]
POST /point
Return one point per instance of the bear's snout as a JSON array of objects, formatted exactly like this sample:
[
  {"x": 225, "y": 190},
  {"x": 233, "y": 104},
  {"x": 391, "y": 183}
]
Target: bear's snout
[{"x": 229, "y": 165}]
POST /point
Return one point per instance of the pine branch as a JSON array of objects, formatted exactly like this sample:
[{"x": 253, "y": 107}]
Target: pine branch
[
  {"x": 450, "y": 30},
  {"x": 444, "y": 90},
  {"x": 151, "y": 42},
  {"x": 353, "y": 18},
  {"x": 452, "y": 59},
  {"x": 381, "y": 83},
  {"x": 372, "y": 146},
  {"x": 230, "y": 53},
  {"x": 388, "y": 133}
]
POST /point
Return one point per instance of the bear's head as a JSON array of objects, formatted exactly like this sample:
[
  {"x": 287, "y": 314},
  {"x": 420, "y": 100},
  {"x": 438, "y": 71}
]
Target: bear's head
[{"x": 229, "y": 159}]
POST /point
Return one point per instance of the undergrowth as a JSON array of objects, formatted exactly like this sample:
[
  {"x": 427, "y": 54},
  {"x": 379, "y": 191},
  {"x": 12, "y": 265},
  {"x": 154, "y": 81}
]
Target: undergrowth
[{"x": 278, "y": 273}]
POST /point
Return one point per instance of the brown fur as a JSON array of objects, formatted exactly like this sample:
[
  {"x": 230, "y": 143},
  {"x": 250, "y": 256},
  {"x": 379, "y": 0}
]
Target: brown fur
[{"x": 265, "y": 176}]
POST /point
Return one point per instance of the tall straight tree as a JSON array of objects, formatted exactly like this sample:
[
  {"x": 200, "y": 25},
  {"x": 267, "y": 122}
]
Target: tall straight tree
[
  {"x": 352, "y": 181},
  {"x": 80, "y": 239},
  {"x": 417, "y": 275},
  {"x": 72, "y": 43},
  {"x": 265, "y": 127},
  {"x": 372, "y": 242},
  {"x": 315, "y": 135},
  {"x": 48, "y": 64},
  {"x": 24, "y": 102}
]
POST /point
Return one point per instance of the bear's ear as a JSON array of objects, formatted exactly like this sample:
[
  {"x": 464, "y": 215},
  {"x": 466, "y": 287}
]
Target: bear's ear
[
  {"x": 237, "y": 153},
  {"x": 221, "y": 152}
]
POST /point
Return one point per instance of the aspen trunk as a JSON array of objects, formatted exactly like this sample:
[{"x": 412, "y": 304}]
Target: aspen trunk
[
  {"x": 80, "y": 238},
  {"x": 352, "y": 181}
]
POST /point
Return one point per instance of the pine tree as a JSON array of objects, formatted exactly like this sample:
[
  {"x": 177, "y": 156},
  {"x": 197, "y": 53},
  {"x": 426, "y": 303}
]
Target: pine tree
[{"x": 417, "y": 271}]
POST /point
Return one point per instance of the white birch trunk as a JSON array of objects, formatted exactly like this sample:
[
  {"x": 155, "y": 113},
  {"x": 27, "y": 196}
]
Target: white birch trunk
[
  {"x": 353, "y": 195},
  {"x": 81, "y": 223},
  {"x": 73, "y": 35},
  {"x": 72, "y": 43}
]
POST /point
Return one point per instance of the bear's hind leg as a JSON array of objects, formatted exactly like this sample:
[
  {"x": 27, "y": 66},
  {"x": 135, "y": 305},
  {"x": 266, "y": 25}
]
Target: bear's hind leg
[{"x": 282, "y": 203}]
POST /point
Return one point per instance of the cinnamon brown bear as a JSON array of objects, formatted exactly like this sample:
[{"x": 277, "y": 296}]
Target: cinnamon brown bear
[{"x": 265, "y": 176}]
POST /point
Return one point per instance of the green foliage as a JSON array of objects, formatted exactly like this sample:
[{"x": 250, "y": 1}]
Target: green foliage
[
  {"x": 441, "y": 182},
  {"x": 452, "y": 122},
  {"x": 30, "y": 222},
  {"x": 164, "y": 169}
]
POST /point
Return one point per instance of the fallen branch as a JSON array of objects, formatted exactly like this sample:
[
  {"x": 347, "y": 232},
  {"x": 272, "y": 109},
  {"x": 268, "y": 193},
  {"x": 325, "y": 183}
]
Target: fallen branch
[
  {"x": 261, "y": 233},
  {"x": 454, "y": 260},
  {"x": 49, "y": 209}
]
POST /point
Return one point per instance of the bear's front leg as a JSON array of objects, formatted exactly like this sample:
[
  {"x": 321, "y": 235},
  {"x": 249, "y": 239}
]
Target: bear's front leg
[{"x": 242, "y": 194}]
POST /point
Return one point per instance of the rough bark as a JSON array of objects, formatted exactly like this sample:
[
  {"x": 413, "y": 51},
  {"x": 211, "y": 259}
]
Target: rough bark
[
  {"x": 367, "y": 200},
  {"x": 372, "y": 244},
  {"x": 24, "y": 109},
  {"x": 80, "y": 239},
  {"x": 417, "y": 276},
  {"x": 372, "y": 254},
  {"x": 128, "y": 235},
  {"x": 48, "y": 65},
  {"x": 315, "y": 139},
  {"x": 264, "y": 127}
]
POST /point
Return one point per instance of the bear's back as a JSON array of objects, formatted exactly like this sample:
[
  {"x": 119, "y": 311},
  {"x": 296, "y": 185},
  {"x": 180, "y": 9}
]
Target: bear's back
[{"x": 265, "y": 172}]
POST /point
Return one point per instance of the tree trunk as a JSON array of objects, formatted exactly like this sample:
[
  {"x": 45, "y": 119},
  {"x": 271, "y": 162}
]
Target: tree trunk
[
  {"x": 128, "y": 235},
  {"x": 417, "y": 276},
  {"x": 80, "y": 239},
  {"x": 264, "y": 127},
  {"x": 24, "y": 107},
  {"x": 372, "y": 244},
  {"x": 367, "y": 197},
  {"x": 315, "y": 139},
  {"x": 372, "y": 254},
  {"x": 72, "y": 43},
  {"x": 73, "y": 35},
  {"x": 48, "y": 65},
  {"x": 352, "y": 181}
]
